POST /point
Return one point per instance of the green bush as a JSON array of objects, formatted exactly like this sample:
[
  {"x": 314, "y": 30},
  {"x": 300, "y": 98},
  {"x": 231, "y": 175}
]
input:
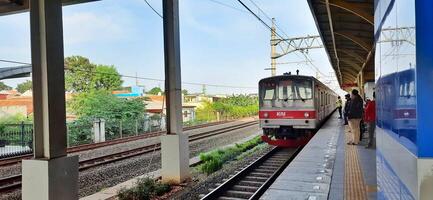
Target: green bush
[
  {"x": 80, "y": 132},
  {"x": 145, "y": 188},
  {"x": 161, "y": 189},
  {"x": 236, "y": 106},
  {"x": 214, "y": 160}
]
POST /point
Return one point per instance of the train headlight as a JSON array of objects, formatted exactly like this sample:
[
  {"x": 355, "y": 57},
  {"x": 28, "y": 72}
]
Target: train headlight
[
  {"x": 265, "y": 115},
  {"x": 306, "y": 115}
]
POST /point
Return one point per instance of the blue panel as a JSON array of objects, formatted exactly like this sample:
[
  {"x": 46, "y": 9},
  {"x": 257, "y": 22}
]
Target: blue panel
[
  {"x": 404, "y": 86},
  {"x": 390, "y": 184},
  {"x": 424, "y": 73},
  {"x": 395, "y": 64}
]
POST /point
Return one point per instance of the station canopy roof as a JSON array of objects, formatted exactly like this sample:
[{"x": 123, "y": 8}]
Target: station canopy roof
[
  {"x": 15, "y": 72},
  {"x": 347, "y": 31},
  {"x": 8, "y": 7}
]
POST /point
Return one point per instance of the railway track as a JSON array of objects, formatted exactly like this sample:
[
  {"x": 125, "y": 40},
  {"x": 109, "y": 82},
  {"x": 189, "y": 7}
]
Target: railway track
[
  {"x": 86, "y": 147},
  {"x": 252, "y": 181},
  {"x": 14, "y": 182}
]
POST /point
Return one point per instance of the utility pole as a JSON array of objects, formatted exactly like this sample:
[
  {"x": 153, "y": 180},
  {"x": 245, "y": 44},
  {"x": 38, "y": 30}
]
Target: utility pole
[
  {"x": 273, "y": 49},
  {"x": 203, "y": 90}
]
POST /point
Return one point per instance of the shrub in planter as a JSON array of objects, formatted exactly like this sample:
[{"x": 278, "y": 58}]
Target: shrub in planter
[{"x": 145, "y": 189}]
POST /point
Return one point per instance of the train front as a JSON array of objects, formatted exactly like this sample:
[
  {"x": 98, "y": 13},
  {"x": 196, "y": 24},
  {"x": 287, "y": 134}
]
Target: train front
[{"x": 287, "y": 110}]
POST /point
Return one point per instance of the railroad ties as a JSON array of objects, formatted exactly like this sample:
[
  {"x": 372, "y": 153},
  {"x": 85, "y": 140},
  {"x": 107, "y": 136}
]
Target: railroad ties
[
  {"x": 252, "y": 181},
  {"x": 14, "y": 182}
]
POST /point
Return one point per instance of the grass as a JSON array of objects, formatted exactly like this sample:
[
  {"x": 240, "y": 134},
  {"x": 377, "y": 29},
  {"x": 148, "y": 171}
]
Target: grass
[
  {"x": 145, "y": 188},
  {"x": 214, "y": 160}
]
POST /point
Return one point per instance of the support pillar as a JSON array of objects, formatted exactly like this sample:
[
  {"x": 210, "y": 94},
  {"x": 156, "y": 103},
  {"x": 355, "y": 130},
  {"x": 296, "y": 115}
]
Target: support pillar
[
  {"x": 102, "y": 130},
  {"x": 99, "y": 130},
  {"x": 51, "y": 174},
  {"x": 96, "y": 131},
  {"x": 174, "y": 145}
]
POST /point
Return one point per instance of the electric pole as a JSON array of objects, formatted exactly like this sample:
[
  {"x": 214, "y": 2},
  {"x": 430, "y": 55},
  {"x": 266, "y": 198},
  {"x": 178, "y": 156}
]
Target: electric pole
[
  {"x": 273, "y": 49},
  {"x": 204, "y": 89}
]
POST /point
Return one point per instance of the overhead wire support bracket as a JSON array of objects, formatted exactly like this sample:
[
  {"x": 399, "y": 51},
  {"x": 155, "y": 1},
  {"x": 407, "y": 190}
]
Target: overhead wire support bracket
[{"x": 297, "y": 44}]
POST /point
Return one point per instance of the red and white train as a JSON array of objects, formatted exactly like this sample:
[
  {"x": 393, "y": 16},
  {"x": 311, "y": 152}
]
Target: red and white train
[{"x": 292, "y": 108}]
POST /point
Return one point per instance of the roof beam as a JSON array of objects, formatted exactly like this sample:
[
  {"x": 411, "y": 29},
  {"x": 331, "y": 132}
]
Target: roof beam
[
  {"x": 355, "y": 8},
  {"x": 331, "y": 28},
  {"x": 352, "y": 54},
  {"x": 348, "y": 35},
  {"x": 352, "y": 64},
  {"x": 350, "y": 75}
]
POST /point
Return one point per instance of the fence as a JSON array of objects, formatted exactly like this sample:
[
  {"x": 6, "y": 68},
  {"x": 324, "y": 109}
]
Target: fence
[{"x": 17, "y": 139}]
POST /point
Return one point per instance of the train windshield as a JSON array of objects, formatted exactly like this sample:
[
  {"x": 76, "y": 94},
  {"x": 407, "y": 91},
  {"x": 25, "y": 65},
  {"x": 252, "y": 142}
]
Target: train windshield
[
  {"x": 269, "y": 91},
  {"x": 295, "y": 89}
]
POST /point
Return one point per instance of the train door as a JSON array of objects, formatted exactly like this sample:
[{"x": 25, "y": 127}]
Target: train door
[{"x": 322, "y": 105}]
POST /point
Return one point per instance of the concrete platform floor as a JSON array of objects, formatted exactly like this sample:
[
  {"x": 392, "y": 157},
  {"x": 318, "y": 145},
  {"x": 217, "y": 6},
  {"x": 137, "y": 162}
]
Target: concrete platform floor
[{"x": 328, "y": 168}]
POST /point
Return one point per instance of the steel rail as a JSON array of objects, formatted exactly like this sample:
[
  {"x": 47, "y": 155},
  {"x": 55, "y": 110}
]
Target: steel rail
[
  {"x": 265, "y": 169},
  {"x": 14, "y": 182}
]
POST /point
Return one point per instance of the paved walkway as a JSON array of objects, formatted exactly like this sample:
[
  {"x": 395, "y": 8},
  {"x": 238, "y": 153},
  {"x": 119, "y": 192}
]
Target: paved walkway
[{"x": 328, "y": 168}]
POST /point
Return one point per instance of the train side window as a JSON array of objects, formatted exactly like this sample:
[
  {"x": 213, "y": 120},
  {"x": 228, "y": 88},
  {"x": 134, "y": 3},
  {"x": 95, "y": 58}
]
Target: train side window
[
  {"x": 329, "y": 99},
  {"x": 320, "y": 99}
]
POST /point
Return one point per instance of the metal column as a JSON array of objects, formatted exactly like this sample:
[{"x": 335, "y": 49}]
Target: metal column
[
  {"x": 174, "y": 146},
  {"x": 51, "y": 175}
]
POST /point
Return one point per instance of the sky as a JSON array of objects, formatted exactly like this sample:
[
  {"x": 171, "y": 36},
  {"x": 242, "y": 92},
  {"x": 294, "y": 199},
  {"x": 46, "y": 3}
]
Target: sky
[{"x": 220, "y": 45}]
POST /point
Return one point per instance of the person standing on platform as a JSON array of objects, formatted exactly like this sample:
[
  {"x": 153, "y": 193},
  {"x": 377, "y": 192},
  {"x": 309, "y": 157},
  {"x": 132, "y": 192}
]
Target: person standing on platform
[
  {"x": 339, "y": 105},
  {"x": 354, "y": 116},
  {"x": 370, "y": 119},
  {"x": 346, "y": 108}
]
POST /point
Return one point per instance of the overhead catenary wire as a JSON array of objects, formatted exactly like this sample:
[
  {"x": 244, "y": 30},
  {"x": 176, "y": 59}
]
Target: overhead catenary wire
[
  {"x": 314, "y": 67},
  {"x": 154, "y": 10},
  {"x": 228, "y": 6},
  {"x": 144, "y": 78}
]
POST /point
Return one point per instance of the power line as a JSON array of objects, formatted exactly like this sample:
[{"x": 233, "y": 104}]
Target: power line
[
  {"x": 153, "y": 9},
  {"x": 142, "y": 78},
  {"x": 162, "y": 80},
  {"x": 228, "y": 6},
  {"x": 258, "y": 18},
  {"x": 270, "y": 28}
]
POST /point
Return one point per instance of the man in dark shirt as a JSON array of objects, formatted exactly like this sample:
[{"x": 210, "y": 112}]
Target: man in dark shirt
[
  {"x": 354, "y": 116},
  {"x": 346, "y": 108}
]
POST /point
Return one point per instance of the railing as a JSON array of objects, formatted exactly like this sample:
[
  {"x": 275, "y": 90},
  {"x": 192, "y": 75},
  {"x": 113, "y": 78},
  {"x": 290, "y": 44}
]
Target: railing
[{"x": 15, "y": 139}]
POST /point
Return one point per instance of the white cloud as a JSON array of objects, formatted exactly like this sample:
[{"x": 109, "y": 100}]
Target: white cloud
[{"x": 82, "y": 27}]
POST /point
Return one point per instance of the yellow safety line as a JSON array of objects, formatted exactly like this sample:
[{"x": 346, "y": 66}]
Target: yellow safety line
[{"x": 354, "y": 184}]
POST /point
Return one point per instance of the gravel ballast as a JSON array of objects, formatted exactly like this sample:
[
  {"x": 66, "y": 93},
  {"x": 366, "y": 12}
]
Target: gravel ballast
[{"x": 96, "y": 179}]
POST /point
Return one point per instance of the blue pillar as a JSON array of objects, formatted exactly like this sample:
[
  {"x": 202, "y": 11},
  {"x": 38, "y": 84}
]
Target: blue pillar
[{"x": 424, "y": 76}]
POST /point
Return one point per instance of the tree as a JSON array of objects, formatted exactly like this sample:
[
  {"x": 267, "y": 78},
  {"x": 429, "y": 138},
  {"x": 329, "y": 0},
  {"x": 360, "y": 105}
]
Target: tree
[
  {"x": 107, "y": 78},
  {"x": 83, "y": 76},
  {"x": 103, "y": 104},
  {"x": 22, "y": 87},
  {"x": 119, "y": 114},
  {"x": 3, "y": 86},
  {"x": 155, "y": 91},
  {"x": 185, "y": 92},
  {"x": 79, "y": 74}
]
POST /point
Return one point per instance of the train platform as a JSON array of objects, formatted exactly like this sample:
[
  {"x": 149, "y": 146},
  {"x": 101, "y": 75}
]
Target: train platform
[{"x": 328, "y": 168}]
